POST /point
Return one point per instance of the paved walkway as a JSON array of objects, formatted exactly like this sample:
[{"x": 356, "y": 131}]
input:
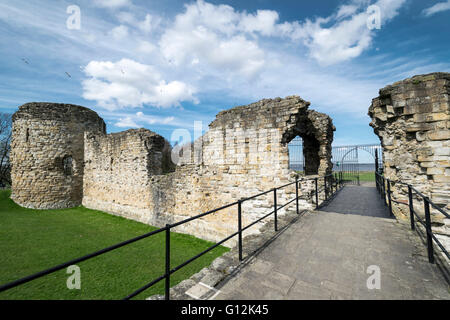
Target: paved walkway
[
  {"x": 362, "y": 200},
  {"x": 326, "y": 255}
]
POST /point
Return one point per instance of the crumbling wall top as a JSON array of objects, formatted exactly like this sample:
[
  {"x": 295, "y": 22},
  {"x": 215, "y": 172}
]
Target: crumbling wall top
[
  {"x": 58, "y": 111},
  {"x": 262, "y": 114}
]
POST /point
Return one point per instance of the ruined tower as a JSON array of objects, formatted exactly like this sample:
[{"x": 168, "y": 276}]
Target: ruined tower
[
  {"x": 412, "y": 120},
  {"x": 47, "y": 153}
]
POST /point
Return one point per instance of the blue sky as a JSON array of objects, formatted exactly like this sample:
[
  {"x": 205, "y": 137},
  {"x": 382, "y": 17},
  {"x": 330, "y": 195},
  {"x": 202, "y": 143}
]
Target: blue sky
[{"x": 164, "y": 64}]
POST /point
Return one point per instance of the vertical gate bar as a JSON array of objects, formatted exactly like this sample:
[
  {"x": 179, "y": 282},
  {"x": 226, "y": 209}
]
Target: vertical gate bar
[
  {"x": 240, "y": 229},
  {"x": 167, "y": 282},
  {"x": 317, "y": 194},
  {"x": 389, "y": 197},
  {"x": 376, "y": 181},
  {"x": 296, "y": 194},
  {"x": 426, "y": 202},
  {"x": 357, "y": 165},
  {"x": 411, "y": 207},
  {"x": 380, "y": 190},
  {"x": 379, "y": 184},
  {"x": 376, "y": 160},
  {"x": 325, "y": 187},
  {"x": 384, "y": 191},
  {"x": 275, "y": 208},
  {"x": 331, "y": 184}
]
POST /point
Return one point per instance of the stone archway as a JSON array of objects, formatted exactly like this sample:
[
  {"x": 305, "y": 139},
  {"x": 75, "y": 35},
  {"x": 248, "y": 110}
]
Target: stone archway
[{"x": 316, "y": 130}]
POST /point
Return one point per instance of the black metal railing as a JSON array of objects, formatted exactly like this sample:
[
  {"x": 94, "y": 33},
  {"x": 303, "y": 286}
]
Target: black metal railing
[
  {"x": 331, "y": 184},
  {"x": 384, "y": 188}
]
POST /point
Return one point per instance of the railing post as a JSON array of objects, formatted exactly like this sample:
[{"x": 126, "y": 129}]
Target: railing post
[
  {"x": 426, "y": 202},
  {"x": 167, "y": 282},
  {"x": 376, "y": 181},
  {"x": 317, "y": 193},
  {"x": 411, "y": 207},
  {"x": 389, "y": 197},
  {"x": 336, "y": 181},
  {"x": 275, "y": 208},
  {"x": 325, "y": 186},
  {"x": 296, "y": 194},
  {"x": 331, "y": 184},
  {"x": 384, "y": 191},
  {"x": 240, "y": 229}
]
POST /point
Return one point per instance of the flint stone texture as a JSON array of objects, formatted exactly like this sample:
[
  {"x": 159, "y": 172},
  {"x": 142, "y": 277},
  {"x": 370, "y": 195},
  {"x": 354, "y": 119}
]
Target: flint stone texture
[
  {"x": 412, "y": 120},
  {"x": 130, "y": 173}
]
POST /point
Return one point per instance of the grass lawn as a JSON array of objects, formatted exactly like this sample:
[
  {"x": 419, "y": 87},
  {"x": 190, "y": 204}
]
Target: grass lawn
[
  {"x": 33, "y": 240},
  {"x": 348, "y": 176},
  {"x": 367, "y": 176}
]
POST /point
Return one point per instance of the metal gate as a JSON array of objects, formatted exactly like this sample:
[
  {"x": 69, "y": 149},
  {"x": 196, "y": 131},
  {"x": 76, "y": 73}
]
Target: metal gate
[
  {"x": 296, "y": 157},
  {"x": 346, "y": 159}
]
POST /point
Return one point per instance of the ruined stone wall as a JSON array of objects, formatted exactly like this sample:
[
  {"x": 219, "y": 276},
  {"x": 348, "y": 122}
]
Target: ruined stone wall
[
  {"x": 412, "y": 120},
  {"x": 119, "y": 168},
  {"x": 47, "y": 154},
  {"x": 245, "y": 152}
]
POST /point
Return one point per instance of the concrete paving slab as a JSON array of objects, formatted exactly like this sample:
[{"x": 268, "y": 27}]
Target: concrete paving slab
[{"x": 326, "y": 255}]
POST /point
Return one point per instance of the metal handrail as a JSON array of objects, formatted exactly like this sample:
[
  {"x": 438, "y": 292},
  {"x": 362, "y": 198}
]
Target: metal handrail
[
  {"x": 381, "y": 182},
  {"x": 168, "y": 227}
]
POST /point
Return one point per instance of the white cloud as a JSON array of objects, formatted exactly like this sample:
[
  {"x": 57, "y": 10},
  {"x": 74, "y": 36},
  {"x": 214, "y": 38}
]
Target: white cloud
[
  {"x": 211, "y": 35},
  {"x": 139, "y": 120},
  {"x": 349, "y": 35},
  {"x": 264, "y": 22},
  {"x": 119, "y": 32},
  {"x": 346, "y": 11},
  {"x": 112, "y": 3},
  {"x": 148, "y": 24},
  {"x": 127, "y": 83},
  {"x": 438, "y": 7},
  {"x": 152, "y": 119},
  {"x": 205, "y": 33},
  {"x": 146, "y": 47},
  {"x": 127, "y": 122}
]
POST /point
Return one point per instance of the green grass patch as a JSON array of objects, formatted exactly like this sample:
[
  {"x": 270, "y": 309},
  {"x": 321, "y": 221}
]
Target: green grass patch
[
  {"x": 367, "y": 176},
  {"x": 33, "y": 240}
]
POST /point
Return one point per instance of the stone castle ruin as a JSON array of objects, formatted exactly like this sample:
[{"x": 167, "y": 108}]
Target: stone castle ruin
[
  {"x": 47, "y": 154},
  {"x": 61, "y": 157},
  {"x": 412, "y": 120}
]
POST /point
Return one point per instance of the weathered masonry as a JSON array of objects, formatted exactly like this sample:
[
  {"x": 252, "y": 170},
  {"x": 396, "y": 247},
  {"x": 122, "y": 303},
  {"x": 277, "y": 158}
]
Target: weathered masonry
[
  {"x": 131, "y": 174},
  {"x": 412, "y": 120},
  {"x": 47, "y": 154}
]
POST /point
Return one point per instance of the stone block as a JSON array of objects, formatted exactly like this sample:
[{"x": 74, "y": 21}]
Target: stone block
[
  {"x": 439, "y": 135},
  {"x": 437, "y": 171},
  {"x": 441, "y": 178}
]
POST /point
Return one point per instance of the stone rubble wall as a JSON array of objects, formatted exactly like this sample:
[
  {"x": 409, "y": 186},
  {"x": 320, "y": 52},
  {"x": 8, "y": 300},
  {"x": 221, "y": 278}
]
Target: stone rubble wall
[
  {"x": 245, "y": 152},
  {"x": 118, "y": 171},
  {"x": 43, "y": 134},
  {"x": 412, "y": 120}
]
